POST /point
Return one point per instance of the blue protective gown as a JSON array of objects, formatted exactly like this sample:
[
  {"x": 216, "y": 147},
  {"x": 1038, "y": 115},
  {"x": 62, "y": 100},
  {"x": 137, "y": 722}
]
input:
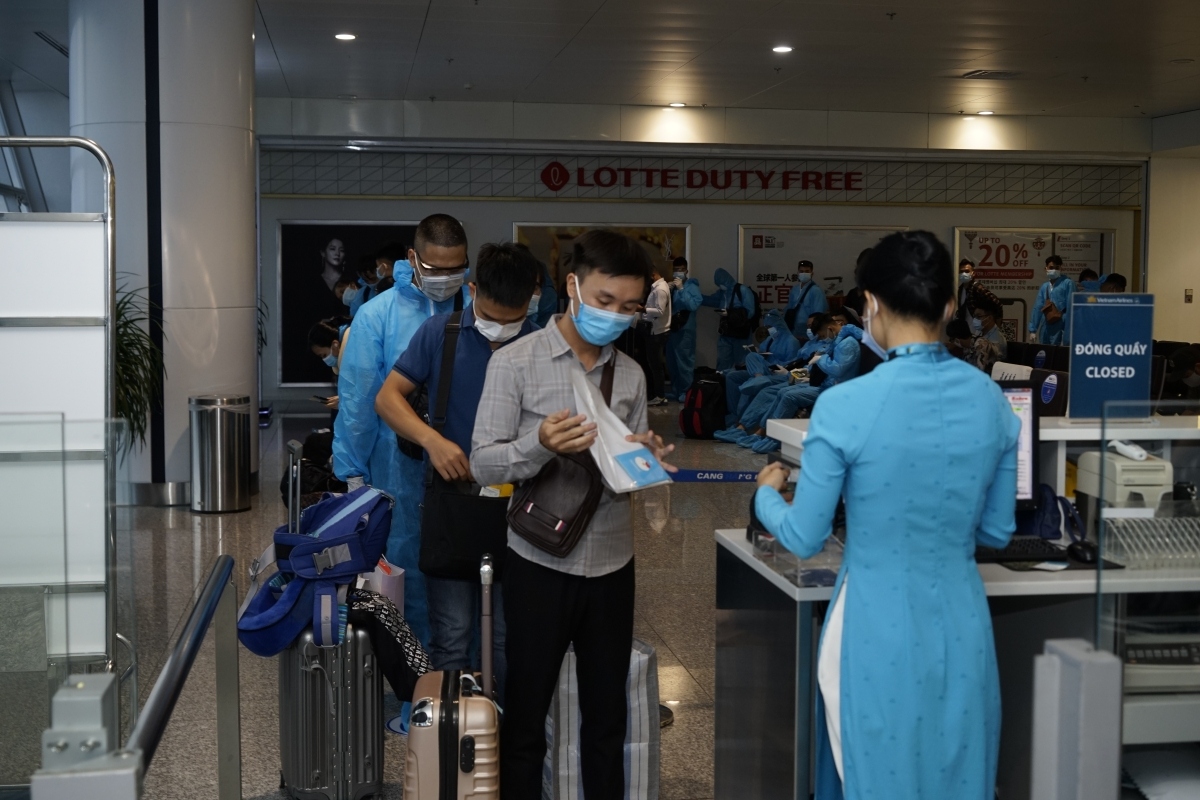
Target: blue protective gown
[
  {"x": 364, "y": 445},
  {"x": 924, "y": 450},
  {"x": 729, "y": 349},
  {"x": 681, "y": 343},
  {"x": 815, "y": 302},
  {"x": 783, "y": 348},
  {"x": 1059, "y": 290},
  {"x": 548, "y": 306}
]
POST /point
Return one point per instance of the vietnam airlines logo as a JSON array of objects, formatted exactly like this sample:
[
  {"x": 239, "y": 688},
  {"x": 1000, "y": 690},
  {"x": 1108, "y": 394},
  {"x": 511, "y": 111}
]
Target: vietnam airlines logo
[{"x": 555, "y": 176}]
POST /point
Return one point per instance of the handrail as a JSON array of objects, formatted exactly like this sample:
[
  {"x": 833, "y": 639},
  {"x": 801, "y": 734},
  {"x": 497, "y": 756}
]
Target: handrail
[{"x": 157, "y": 712}]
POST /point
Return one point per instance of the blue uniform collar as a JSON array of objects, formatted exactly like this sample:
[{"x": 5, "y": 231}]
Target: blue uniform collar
[{"x": 919, "y": 348}]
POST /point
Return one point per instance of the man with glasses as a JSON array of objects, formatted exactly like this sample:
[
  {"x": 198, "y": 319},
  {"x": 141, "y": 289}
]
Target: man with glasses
[{"x": 365, "y": 450}]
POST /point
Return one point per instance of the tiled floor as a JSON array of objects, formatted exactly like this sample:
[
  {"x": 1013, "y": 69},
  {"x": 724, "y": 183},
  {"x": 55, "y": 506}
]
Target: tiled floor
[{"x": 173, "y": 550}]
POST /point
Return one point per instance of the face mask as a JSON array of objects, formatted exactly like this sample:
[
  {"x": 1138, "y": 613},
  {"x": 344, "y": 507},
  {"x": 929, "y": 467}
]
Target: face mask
[
  {"x": 680, "y": 276},
  {"x": 964, "y": 278},
  {"x": 869, "y": 342},
  {"x": 804, "y": 277},
  {"x": 869, "y": 316},
  {"x": 330, "y": 360},
  {"x": 597, "y": 326},
  {"x": 1052, "y": 274},
  {"x": 809, "y": 334},
  {"x": 349, "y": 295},
  {"x": 976, "y": 326},
  {"x": 440, "y": 287},
  {"x": 1192, "y": 381},
  {"x": 495, "y": 332},
  {"x": 534, "y": 302}
]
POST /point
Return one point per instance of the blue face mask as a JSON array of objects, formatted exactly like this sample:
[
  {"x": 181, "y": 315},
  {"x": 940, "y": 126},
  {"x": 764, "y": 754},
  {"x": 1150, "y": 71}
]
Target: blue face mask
[
  {"x": 597, "y": 326},
  {"x": 330, "y": 360}
]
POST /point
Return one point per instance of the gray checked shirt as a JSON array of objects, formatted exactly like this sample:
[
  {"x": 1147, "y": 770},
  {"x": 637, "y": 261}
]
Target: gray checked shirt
[{"x": 528, "y": 381}]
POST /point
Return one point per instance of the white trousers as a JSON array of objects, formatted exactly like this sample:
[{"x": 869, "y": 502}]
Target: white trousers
[{"x": 829, "y": 676}]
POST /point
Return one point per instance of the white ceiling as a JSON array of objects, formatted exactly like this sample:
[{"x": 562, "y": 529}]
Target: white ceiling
[
  {"x": 29, "y": 62},
  {"x": 849, "y": 54}
]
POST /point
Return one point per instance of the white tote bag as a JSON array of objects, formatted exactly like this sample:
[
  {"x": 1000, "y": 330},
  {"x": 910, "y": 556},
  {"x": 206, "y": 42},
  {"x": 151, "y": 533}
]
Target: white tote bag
[
  {"x": 561, "y": 775},
  {"x": 625, "y": 466}
]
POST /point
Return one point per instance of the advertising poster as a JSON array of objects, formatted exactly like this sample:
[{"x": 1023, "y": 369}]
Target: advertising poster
[
  {"x": 313, "y": 255},
  {"x": 1012, "y": 263},
  {"x": 551, "y": 243},
  {"x": 768, "y": 256}
]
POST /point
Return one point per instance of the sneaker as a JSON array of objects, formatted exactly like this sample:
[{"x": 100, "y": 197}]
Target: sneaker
[{"x": 658, "y": 401}]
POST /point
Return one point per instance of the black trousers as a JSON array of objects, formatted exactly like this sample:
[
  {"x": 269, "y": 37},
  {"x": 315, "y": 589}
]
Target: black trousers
[
  {"x": 656, "y": 364},
  {"x": 544, "y": 611}
]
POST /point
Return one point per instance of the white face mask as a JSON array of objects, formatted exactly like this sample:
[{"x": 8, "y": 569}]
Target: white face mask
[
  {"x": 804, "y": 277},
  {"x": 534, "y": 302},
  {"x": 964, "y": 278},
  {"x": 976, "y": 326},
  {"x": 496, "y": 332},
  {"x": 680, "y": 276},
  {"x": 440, "y": 287},
  {"x": 869, "y": 316},
  {"x": 1192, "y": 381},
  {"x": 1052, "y": 274},
  {"x": 349, "y": 295}
]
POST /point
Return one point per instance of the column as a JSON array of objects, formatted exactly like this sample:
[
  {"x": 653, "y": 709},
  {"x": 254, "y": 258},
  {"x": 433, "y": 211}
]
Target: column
[{"x": 206, "y": 93}]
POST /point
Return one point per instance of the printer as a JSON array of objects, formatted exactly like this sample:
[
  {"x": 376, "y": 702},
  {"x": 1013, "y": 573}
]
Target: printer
[{"x": 1127, "y": 482}]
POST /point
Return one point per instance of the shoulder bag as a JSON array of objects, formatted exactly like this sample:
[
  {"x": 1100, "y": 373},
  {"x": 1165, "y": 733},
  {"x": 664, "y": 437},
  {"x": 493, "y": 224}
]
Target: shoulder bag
[
  {"x": 458, "y": 523},
  {"x": 552, "y": 510}
]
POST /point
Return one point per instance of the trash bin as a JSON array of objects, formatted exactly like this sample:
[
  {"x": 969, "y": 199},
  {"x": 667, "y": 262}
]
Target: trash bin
[{"x": 220, "y": 453}]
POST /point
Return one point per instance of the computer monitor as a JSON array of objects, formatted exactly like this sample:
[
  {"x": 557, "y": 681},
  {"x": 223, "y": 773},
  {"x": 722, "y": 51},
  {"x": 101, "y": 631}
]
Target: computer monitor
[{"x": 1021, "y": 399}]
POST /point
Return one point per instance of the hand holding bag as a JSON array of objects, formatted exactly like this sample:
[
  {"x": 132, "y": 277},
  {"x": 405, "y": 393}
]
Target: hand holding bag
[{"x": 552, "y": 510}]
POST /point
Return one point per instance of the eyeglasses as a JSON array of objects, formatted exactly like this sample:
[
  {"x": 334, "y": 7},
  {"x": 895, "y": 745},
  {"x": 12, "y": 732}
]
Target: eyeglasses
[{"x": 466, "y": 265}]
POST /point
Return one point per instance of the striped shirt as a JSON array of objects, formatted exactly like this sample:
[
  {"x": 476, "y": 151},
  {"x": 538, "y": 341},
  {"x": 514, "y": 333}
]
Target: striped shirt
[{"x": 528, "y": 381}]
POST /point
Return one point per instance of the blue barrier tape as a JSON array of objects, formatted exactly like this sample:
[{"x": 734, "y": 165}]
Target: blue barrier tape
[{"x": 712, "y": 476}]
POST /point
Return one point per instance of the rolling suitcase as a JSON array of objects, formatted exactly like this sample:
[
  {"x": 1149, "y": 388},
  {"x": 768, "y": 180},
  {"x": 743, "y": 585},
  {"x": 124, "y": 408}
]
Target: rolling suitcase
[
  {"x": 330, "y": 705},
  {"x": 454, "y": 730}
]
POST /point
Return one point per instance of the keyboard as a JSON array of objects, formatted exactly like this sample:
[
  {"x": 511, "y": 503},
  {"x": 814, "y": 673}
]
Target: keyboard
[{"x": 1021, "y": 548}]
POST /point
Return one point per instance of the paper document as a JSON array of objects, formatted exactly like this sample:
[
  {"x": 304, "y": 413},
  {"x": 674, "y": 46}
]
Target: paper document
[{"x": 625, "y": 466}]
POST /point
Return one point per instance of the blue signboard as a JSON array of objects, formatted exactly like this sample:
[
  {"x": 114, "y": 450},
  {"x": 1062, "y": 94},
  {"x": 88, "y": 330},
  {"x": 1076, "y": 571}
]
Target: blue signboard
[{"x": 1110, "y": 351}]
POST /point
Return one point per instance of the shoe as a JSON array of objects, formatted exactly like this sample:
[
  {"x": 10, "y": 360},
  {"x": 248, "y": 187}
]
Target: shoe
[
  {"x": 731, "y": 435},
  {"x": 749, "y": 440},
  {"x": 665, "y": 716},
  {"x": 658, "y": 401},
  {"x": 767, "y": 445}
]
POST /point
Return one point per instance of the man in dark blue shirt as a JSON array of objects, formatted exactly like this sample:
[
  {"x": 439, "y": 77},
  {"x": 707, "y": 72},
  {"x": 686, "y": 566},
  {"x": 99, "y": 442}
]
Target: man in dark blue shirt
[{"x": 505, "y": 279}]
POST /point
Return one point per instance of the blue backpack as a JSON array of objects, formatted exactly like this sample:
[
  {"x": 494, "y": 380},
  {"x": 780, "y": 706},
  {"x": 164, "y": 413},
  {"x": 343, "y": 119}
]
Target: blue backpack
[
  {"x": 1046, "y": 521},
  {"x": 336, "y": 539}
]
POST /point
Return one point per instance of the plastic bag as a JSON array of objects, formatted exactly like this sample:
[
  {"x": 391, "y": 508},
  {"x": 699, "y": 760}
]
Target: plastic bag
[{"x": 625, "y": 466}]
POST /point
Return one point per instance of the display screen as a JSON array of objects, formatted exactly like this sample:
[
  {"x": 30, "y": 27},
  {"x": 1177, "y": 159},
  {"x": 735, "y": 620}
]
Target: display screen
[{"x": 1021, "y": 401}]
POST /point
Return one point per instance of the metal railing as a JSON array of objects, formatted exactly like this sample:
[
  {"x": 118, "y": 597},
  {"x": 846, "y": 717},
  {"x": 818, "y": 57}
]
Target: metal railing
[{"x": 118, "y": 775}]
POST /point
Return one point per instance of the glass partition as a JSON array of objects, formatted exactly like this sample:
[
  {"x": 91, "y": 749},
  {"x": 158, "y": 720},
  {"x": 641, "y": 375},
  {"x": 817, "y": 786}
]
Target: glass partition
[
  {"x": 34, "y": 628},
  {"x": 1138, "y": 494}
]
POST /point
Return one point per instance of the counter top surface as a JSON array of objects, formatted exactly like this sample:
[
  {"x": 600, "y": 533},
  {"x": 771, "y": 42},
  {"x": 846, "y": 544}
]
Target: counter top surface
[{"x": 999, "y": 581}]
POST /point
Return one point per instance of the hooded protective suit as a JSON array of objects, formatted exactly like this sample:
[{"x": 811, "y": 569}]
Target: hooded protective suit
[
  {"x": 681, "y": 343},
  {"x": 729, "y": 349},
  {"x": 363, "y": 445},
  {"x": 548, "y": 306}
]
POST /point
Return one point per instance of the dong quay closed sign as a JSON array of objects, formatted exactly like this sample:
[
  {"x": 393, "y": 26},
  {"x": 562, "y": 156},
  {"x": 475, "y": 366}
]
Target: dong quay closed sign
[{"x": 1110, "y": 353}]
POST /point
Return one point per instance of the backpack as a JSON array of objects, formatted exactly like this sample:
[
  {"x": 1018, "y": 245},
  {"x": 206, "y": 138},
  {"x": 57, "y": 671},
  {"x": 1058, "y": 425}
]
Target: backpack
[
  {"x": 740, "y": 322},
  {"x": 338, "y": 538},
  {"x": 1046, "y": 521},
  {"x": 316, "y": 475},
  {"x": 704, "y": 408}
]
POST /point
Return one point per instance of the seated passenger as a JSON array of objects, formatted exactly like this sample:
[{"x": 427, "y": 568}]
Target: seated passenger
[
  {"x": 838, "y": 365},
  {"x": 779, "y": 348},
  {"x": 751, "y": 416},
  {"x": 1089, "y": 280},
  {"x": 814, "y": 345},
  {"x": 975, "y": 350}
]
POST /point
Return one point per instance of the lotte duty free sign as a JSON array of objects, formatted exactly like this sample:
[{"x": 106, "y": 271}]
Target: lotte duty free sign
[{"x": 1110, "y": 353}]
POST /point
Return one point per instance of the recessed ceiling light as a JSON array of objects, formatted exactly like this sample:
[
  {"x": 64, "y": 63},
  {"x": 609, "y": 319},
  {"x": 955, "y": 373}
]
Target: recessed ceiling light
[
  {"x": 986, "y": 113},
  {"x": 783, "y": 48},
  {"x": 677, "y": 105},
  {"x": 345, "y": 37},
  {"x": 1181, "y": 61}
]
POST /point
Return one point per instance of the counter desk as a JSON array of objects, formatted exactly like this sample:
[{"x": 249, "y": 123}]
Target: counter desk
[{"x": 768, "y": 628}]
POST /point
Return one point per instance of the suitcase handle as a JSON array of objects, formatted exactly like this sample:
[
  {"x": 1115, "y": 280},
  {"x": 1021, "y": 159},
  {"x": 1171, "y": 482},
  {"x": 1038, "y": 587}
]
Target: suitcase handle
[
  {"x": 315, "y": 666},
  {"x": 486, "y": 575}
]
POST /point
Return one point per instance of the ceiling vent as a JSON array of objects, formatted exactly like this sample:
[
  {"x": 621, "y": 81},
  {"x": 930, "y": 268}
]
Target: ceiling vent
[{"x": 991, "y": 75}]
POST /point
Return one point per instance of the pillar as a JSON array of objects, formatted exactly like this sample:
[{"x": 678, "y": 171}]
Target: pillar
[{"x": 185, "y": 165}]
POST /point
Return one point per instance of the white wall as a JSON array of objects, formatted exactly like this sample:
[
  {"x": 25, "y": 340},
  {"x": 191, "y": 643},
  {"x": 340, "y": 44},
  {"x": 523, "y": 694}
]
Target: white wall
[
  {"x": 714, "y": 235},
  {"x": 1173, "y": 257}
]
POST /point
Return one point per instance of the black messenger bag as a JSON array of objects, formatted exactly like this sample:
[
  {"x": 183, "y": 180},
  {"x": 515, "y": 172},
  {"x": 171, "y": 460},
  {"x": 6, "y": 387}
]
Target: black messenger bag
[{"x": 458, "y": 524}]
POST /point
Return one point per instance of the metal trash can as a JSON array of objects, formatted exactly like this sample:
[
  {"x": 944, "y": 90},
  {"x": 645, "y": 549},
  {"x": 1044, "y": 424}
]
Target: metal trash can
[{"x": 220, "y": 453}]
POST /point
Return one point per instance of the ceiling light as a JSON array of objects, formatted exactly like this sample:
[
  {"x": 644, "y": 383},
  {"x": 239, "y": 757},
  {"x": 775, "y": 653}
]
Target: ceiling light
[
  {"x": 677, "y": 105},
  {"x": 345, "y": 37},
  {"x": 1181, "y": 61},
  {"x": 986, "y": 113},
  {"x": 783, "y": 48}
]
